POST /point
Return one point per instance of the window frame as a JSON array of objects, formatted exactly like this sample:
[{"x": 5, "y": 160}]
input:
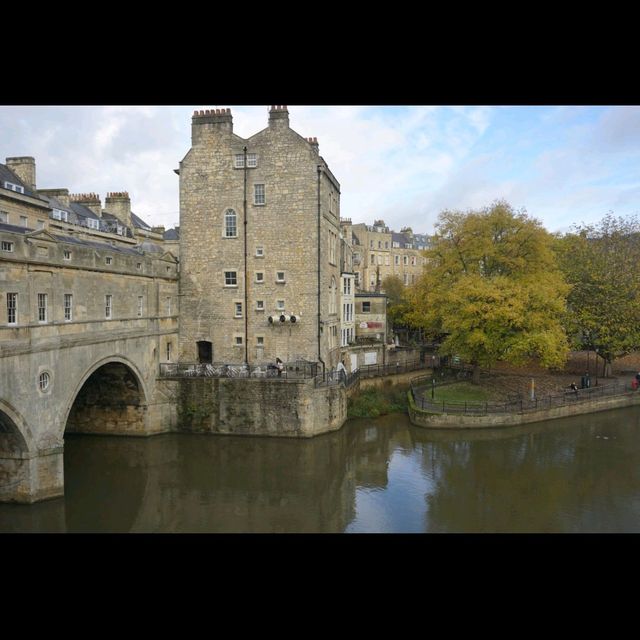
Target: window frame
[
  {"x": 43, "y": 313},
  {"x": 230, "y": 214},
  {"x": 108, "y": 306},
  {"x": 68, "y": 308},
  {"x": 226, "y": 276},
  {"x": 256, "y": 194},
  {"x": 12, "y": 310}
]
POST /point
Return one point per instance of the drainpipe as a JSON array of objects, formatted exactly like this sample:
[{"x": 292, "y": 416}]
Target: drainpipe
[
  {"x": 246, "y": 279},
  {"x": 319, "y": 315}
]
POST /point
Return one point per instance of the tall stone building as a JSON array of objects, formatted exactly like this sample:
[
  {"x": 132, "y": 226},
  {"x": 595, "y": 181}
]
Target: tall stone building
[{"x": 259, "y": 245}]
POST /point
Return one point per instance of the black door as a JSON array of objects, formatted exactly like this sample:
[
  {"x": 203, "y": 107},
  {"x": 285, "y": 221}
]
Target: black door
[{"x": 205, "y": 352}]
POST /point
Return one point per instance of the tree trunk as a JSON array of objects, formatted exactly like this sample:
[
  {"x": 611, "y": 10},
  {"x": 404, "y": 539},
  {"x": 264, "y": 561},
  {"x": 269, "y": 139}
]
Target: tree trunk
[
  {"x": 476, "y": 374},
  {"x": 606, "y": 369}
]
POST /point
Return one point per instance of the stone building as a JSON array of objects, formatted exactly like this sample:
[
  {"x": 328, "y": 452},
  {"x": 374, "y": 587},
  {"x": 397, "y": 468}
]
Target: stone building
[
  {"x": 379, "y": 252},
  {"x": 259, "y": 245}
]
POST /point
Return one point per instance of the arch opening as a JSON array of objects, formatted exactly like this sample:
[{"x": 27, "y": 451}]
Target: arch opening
[
  {"x": 111, "y": 401},
  {"x": 12, "y": 442}
]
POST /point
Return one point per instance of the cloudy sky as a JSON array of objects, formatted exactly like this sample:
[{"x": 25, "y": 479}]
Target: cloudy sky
[{"x": 564, "y": 165}]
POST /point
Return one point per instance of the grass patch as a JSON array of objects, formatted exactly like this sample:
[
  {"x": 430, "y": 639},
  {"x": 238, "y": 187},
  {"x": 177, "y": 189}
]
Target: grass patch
[
  {"x": 460, "y": 392},
  {"x": 372, "y": 403}
]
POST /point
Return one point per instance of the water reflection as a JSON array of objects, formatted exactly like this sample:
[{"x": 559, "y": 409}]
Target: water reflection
[{"x": 576, "y": 474}]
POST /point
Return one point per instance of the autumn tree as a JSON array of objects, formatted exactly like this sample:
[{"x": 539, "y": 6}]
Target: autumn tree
[
  {"x": 493, "y": 287},
  {"x": 601, "y": 262},
  {"x": 396, "y": 302}
]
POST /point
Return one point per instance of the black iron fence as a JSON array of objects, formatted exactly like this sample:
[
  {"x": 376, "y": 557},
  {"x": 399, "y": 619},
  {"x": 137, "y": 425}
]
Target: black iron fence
[
  {"x": 290, "y": 371},
  {"x": 422, "y": 389}
]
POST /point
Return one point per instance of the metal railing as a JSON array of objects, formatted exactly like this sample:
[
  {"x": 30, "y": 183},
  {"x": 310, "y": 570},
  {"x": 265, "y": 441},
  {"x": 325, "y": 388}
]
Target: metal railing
[
  {"x": 421, "y": 389},
  {"x": 290, "y": 371}
]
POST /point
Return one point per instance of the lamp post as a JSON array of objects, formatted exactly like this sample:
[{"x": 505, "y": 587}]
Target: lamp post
[{"x": 596, "y": 366}]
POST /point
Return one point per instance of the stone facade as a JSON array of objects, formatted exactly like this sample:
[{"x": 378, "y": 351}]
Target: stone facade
[
  {"x": 379, "y": 252},
  {"x": 231, "y": 286}
]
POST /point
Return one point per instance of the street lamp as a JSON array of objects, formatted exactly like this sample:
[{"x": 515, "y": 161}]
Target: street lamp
[{"x": 596, "y": 350}]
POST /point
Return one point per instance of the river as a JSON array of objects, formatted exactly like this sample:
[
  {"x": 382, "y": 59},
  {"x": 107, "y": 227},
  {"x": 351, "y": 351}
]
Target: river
[{"x": 579, "y": 474}]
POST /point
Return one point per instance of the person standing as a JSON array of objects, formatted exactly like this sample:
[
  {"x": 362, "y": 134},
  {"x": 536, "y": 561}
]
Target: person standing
[{"x": 280, "y": 366}]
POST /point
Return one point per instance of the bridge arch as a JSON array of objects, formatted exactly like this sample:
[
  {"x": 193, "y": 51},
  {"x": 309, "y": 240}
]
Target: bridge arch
[
  {"x": 16, "y": 438},
  {"x": 110, "y": 398}
]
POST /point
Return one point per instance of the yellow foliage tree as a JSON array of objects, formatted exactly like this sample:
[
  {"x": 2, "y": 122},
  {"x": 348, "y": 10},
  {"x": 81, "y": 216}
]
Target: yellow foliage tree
[{"x": 493, "y": 288}]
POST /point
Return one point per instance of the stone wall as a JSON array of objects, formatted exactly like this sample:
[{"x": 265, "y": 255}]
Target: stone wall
[
  {"x": 281, "y": 237},
  {"x": 259, "y": 407},
  {"x": 450, "y": 421}
]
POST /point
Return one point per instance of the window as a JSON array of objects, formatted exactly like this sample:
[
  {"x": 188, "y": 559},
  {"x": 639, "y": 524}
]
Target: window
[
  {"x": 66, "y": 254},
  {"x": 93, "y": 224},
  {"x": 397, "y": 260},
  {"x": 280, "y": 305},
  {"x": 108, "y": 302},
  {"x": 333, "y": 306},
  {"x": 258, "y": 193},
  {"x": 108, "y": 260},
  {"x": 140, "y": 305},
  {"x": 139, "y": 266},
  {"x": 260, "y": 341},
  {"x": 43, "y": 381},
  {"x": 347, "y": 286},
  {"x": 230, "y": 224},
  {"x": 280, "y": 276},
  {"x": 58, "y": 214},
  {"x": 366, "y": 307},
  {"x": 14, "y": 187},
  {"x": 168, "y": 305},
  {"x": 373, "y": 258},
  {"x": 24, "y": 221},
  {"x": 42, "y": 307},
  {"x": 252, "y": 160},
  {"x": 230, "y": 279},
  {"x": 406, "y": 278},
  {"x": 259, "y": 252},
  {"x": 413, "y": 261},
  {"x": 238, "y": 309},
  {"x": 168, "y": 269},
  {"x": 405, "y": 259},
  {"x": 4, "y": 216},
  {"x": 259, "y": 276},
  {"x": 239, "y": 160},
  {"x": 238, "y": 341},
  {"x": 379, "y": 244},
  {"x": 68, "y": 307},
  {"x": 370, "y": 244},
  {"x": 12, "y": 308},
  {"x": 259, "y": 305},
  {"x": 386, "y": 245},
  {"x": 7, "y": 246},
  {"x": 169, "y": 344}
]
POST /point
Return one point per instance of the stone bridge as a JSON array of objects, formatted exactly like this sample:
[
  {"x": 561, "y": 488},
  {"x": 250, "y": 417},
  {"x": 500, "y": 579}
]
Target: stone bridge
[{"x": 99, "y": 378}]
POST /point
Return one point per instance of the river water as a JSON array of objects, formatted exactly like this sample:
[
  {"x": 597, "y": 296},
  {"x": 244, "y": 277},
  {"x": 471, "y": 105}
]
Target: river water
[{"x": 579, "y": 474}]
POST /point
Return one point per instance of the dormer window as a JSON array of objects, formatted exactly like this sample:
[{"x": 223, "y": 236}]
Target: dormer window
[
  {"x": 58, "y": 214},
  {"x": 93, "y": 224},
  {"x": 14, "y": 187}
]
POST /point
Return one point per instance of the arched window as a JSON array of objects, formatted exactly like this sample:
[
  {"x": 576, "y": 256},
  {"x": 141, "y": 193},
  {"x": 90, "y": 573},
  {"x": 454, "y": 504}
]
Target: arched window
[{"x": 230, "y": 224}]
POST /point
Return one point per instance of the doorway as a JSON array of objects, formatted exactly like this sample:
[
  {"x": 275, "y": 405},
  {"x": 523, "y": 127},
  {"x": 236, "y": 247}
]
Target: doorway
[{"x": 205, "y": 352}]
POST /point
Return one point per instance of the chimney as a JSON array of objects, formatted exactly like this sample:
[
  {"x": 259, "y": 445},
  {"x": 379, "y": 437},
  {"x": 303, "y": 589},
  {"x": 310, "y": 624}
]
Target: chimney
[
  {"x": 278, "y": 116},
  {"x": 118, "y": 204},
  {"x": 314, "y": 144},
  {"x": 61, "y": 195},
  {"x": 25, "y": 169},
  {"x": 218, "y": 120},
  {"x": 89, "y": 200},
  {"x": 159, "y": 230}
]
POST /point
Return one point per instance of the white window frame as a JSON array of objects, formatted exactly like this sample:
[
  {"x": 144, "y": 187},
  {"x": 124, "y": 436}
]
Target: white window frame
[
  {"x": 140, "y": 306},
  {"x": 252, "y": 160},
  {"x": 259, "y": 341},
  {"x": 259, "y": 252},
  {"x": 24, "y": 221},
  {"x": 44, "y": 380},
  {"x": 168, "y": 350},
  {"x": 108, "y": 306},
  {"x": 7, "y": 246},
  {"x": 66, "y": 254},
  {"x": 108, "y": 260},
  {"x": 68, "y": 307},
  {"x": 280, "y": 305},
  {"x": 167, "y": 301},
  {"x": 237, "y": 310},
  {"x": 238, "y": 340},
  {"x": 12, "y": 308},
  {"x": 235, "y": 277},
  {"x": 259, "y": 194},
  {"x": 4, "y": 217},
  {"x": 239, "y": 161},
  {"x": 230, "y": 216},
  {"x": 13, "y": 187},
  {"x": 259, "y": 277},
  {"x": 42, "y": 308},
  {"x": 283, "y": 279},
  {"x": 92, "y": 223},
  {"x": 259, "y": 305}
]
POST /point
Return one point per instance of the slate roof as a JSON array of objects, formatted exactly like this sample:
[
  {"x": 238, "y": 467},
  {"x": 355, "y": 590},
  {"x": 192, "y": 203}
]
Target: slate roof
[
  {"x": 172, "y": 234},
  {"x": 82, "y": 211},
  {"x": 139, "y": 223},
  {"x": 14, "y": 228},
  {"x": 100, "y": 246},
  {"x": 9, "y": 176}
]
